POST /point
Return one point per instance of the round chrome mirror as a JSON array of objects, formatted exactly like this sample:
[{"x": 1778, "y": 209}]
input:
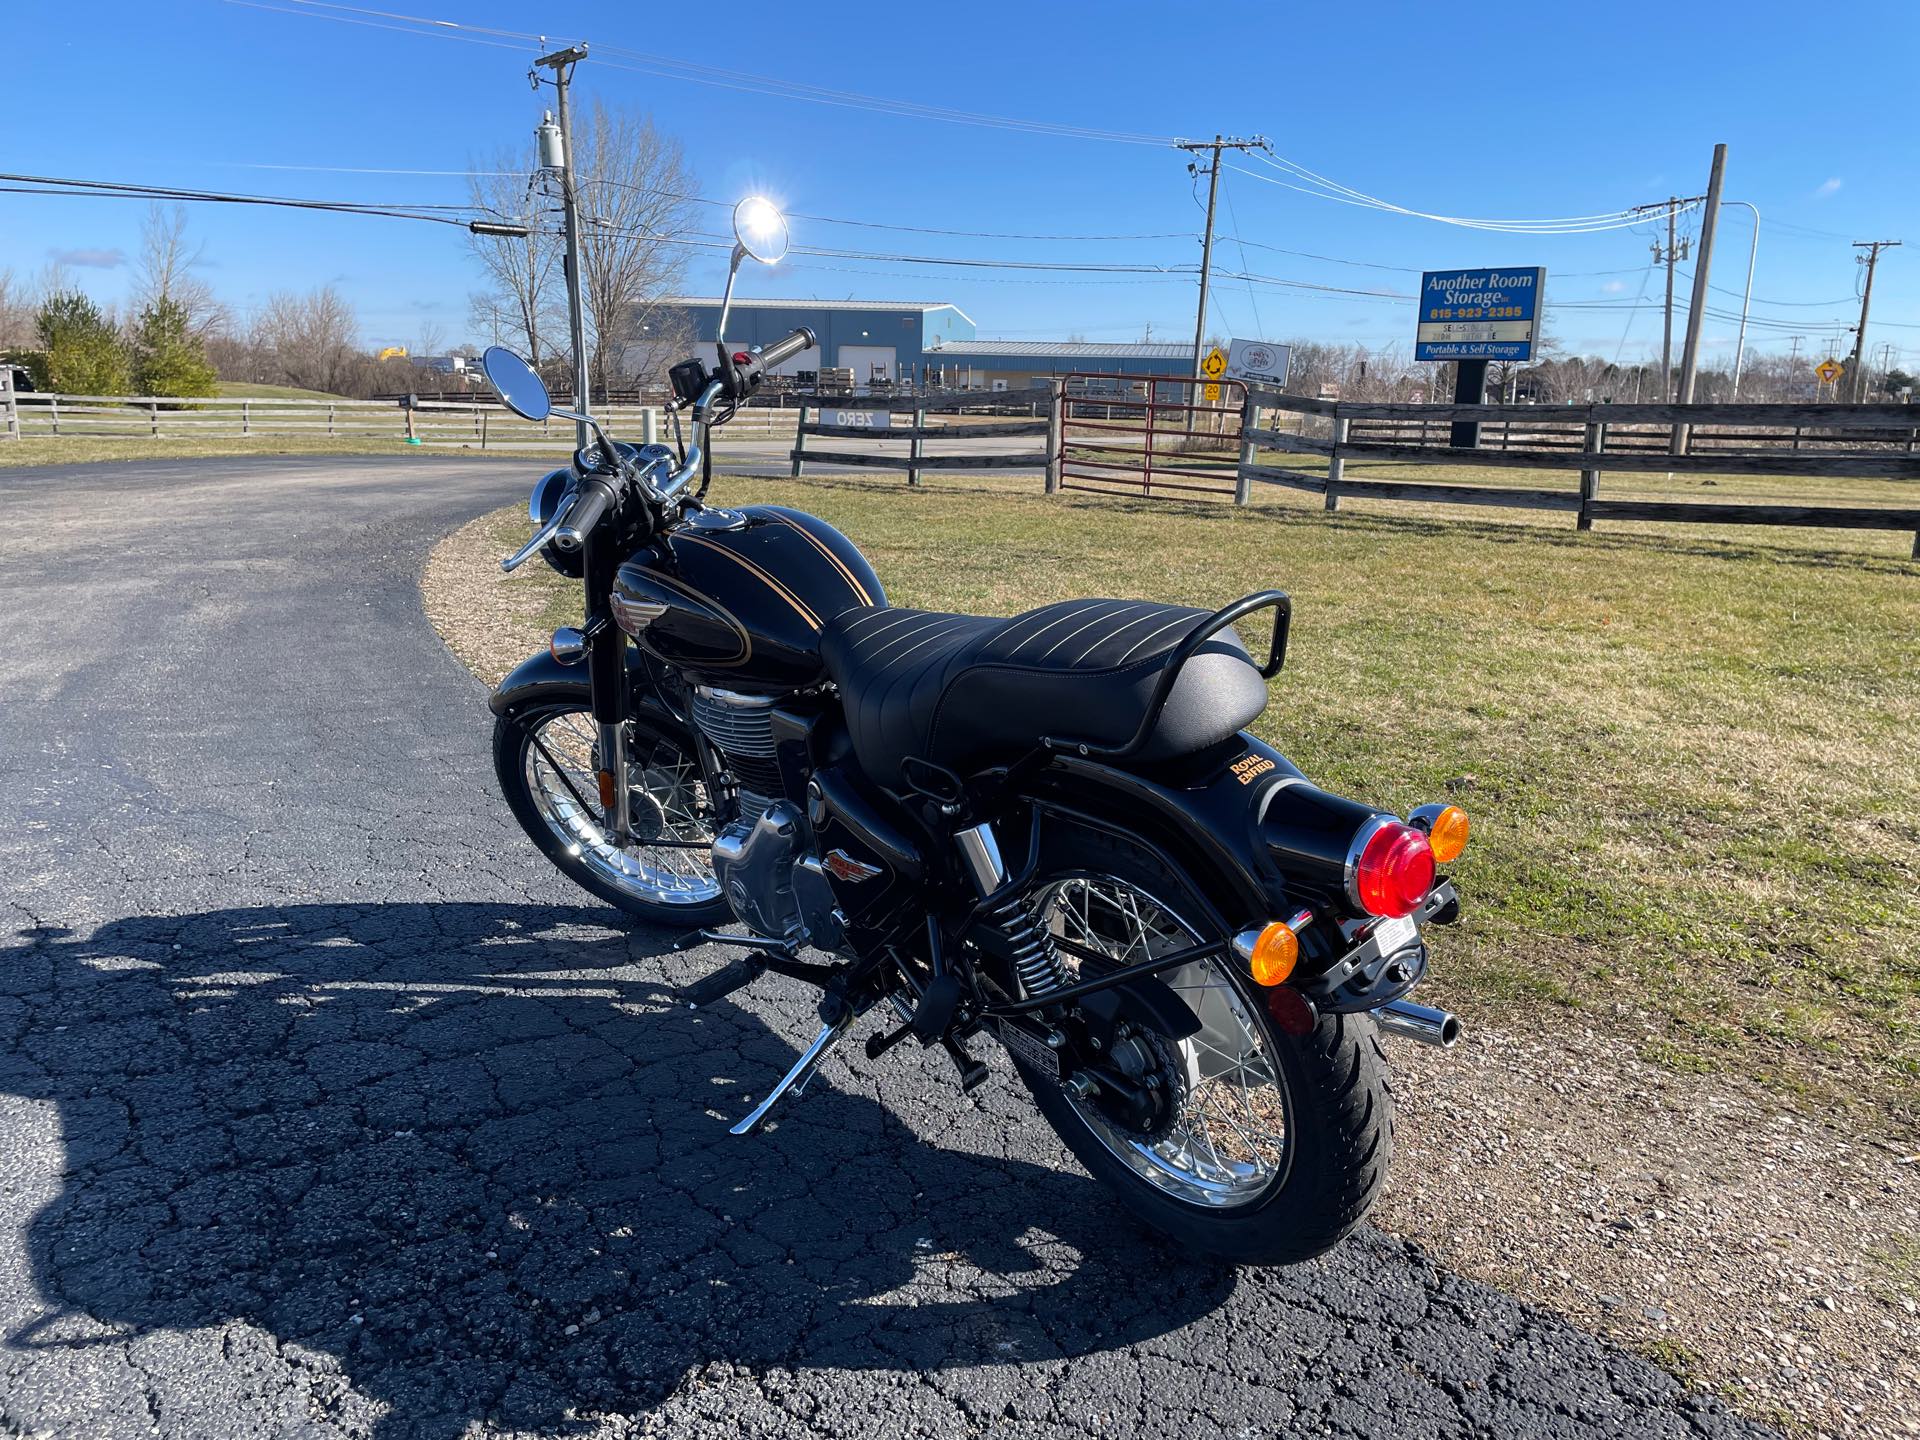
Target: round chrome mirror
[
  {"x": 514, "y": 381},
  {"x": 761, "y": 229}
]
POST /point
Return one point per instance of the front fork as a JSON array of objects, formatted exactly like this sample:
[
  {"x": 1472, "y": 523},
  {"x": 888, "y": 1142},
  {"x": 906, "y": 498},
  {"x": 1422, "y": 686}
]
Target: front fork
[{"x": 607, "y": 673}]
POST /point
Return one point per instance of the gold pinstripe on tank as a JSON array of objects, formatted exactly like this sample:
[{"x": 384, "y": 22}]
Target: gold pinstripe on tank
[
  {"x": 838, "y": 564},
  {"x": 799, "y": 606}
]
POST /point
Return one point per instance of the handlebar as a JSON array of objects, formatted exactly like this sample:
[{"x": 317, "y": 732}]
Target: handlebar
[{"x": 596, "y": 494}]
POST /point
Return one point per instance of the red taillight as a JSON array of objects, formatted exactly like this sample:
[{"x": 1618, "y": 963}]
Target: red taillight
[{"x": 1394, "y": 871}]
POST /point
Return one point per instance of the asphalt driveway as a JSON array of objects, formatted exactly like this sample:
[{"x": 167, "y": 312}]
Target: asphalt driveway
[{"x": 327, "y": 1110}]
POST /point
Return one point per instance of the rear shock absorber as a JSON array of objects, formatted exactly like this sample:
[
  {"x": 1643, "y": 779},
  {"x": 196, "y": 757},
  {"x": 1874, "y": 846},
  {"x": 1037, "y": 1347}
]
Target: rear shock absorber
[{"x": 1036, "y": 960}]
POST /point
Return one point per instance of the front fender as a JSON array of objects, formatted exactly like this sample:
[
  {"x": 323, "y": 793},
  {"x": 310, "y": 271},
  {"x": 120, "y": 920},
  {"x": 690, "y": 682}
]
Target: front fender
[{"x": 540, "y": 678}]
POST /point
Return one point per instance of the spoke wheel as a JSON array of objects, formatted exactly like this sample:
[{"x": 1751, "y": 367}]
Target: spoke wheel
[
  {"x": 548, "y": 762},
  {"x": 1227, "y": 1142}
]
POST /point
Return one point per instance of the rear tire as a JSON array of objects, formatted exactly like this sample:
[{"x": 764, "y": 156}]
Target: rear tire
[
  {"x": 1331, "y": 1086},
  {"x": 662, "y": 885}
]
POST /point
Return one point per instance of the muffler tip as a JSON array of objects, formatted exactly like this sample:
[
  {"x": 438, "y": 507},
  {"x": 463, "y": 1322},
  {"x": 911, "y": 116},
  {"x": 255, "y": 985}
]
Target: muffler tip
[{"x": 1438, "y": 1028}]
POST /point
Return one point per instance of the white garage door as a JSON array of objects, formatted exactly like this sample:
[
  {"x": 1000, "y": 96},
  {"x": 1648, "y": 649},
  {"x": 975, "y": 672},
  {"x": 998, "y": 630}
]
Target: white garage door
[{"x": 862, "y": 358}]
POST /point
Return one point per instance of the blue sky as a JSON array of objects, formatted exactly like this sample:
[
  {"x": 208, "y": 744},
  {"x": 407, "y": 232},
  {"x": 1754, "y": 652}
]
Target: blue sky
[{"x": 1552, "y": 111}]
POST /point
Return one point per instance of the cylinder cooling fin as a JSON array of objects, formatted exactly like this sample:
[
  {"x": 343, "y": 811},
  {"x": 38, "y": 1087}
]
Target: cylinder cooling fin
[{"x": 740, "y": 727}]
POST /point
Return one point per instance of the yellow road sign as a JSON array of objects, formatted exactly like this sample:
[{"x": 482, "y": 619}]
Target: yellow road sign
[
  {"x": 1215, "y": 365},
  {"x": 1829, "y": 370},
  {"x": 1210, "y": 394}
]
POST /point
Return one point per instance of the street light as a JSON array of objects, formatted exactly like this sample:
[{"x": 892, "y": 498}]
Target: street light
[{"x": 1753, "y": 252}]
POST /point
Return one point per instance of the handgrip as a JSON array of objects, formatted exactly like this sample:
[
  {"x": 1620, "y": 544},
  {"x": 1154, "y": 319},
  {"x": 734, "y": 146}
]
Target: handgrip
[
  {"x": 591, "y": 501},
  {"x": 782, "y": 351}
]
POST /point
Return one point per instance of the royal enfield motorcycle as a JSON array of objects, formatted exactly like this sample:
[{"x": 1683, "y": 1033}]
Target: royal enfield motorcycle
[{"x": 1049, "y": 831}]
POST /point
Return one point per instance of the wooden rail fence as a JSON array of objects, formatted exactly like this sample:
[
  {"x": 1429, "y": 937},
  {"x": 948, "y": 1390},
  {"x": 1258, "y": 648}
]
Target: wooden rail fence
[
  {"x": 1813, "y": 442},
  {"x": 923, "y": 427},
  {"x": 476, "y": 423}
]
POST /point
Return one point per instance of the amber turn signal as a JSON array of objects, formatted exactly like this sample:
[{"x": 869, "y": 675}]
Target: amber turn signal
[
  {"x": 1275, "y": 954},
  {"x": 1448, "y": 835}
]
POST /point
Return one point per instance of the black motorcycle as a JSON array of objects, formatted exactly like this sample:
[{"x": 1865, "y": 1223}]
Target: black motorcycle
[{"x": 1051, "y": 828}]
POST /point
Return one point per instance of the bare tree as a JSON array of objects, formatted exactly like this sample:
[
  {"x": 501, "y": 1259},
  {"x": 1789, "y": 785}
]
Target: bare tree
[
  {"x": 431, "y": 340},
  {"x": 523, "y": 305},
  {"x": 313, "y": 339},
  {"x": 164, "y": 270},
  {"x": 635, "y": 197},
  {"x": 16, "y": 312}
]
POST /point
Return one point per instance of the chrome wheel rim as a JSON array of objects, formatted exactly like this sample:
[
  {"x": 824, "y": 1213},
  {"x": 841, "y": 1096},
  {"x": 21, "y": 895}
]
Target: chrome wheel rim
[
  {"x": 1227, "y": 1144},
  {"x": 560, "y": 763}
]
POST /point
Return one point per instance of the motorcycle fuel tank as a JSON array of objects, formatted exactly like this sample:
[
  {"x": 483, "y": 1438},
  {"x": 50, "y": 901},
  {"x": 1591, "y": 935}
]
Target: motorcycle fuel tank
[{"x": 738, "y": 600}]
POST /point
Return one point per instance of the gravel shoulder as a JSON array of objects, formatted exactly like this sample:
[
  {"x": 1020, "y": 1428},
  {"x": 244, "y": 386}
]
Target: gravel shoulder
[{"x": 1742, "y": 1241}]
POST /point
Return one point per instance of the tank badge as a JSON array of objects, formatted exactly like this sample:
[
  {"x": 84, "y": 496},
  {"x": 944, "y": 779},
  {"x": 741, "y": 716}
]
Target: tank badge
[
  {"x": 843, "y": 866},
  {"x": 1250, "y": 767}
]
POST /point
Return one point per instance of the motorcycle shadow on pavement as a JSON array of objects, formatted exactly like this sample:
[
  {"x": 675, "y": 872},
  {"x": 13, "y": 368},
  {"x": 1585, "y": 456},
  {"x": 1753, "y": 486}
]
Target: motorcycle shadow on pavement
[{"x": 473, "y": 1161}]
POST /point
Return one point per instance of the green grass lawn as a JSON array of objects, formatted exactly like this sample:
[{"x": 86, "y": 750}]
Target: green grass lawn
[{"x": 1692, "y": 761}]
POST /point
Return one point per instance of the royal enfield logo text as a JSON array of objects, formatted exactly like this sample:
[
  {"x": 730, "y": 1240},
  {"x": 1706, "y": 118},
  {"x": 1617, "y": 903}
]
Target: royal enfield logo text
[{"x": 1249, "y": 767}]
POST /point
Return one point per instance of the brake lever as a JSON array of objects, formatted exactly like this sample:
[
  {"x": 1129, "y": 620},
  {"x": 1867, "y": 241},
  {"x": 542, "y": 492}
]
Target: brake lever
[{"x": 542, "y": 538}]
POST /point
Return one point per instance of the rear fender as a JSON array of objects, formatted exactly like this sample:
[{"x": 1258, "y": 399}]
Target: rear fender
[
  {"x": 1252, "y": 837},
  {"x": 1198, "y": 814}
]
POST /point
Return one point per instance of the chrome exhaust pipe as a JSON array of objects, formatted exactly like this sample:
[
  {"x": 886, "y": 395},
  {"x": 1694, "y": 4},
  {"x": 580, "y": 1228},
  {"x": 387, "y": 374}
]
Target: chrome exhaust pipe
[{"x": 1439, "y": 1028}]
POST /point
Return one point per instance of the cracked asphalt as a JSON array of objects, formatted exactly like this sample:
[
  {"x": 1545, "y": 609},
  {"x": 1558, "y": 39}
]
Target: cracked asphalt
[{"x": 327, "y": 1110}]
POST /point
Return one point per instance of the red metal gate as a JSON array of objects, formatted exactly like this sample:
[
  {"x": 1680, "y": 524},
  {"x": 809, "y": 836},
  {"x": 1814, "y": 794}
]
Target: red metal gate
[{"x": 1128, "y": 434}]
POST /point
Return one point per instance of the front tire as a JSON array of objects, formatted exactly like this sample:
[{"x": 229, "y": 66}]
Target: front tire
[
  {"x": 1282, "y": 1142},
  {"x": 545, "y": 755}
]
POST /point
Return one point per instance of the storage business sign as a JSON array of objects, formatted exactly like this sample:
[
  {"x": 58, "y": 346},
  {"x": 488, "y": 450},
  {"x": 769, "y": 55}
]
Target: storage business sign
[
  {"x": 1478, "y": 314},
  {"x": 1257, "y": 362}
]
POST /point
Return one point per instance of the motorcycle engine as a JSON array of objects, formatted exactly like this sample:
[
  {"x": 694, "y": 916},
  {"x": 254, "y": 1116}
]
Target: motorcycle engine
[{"x": 764, "y": 858}]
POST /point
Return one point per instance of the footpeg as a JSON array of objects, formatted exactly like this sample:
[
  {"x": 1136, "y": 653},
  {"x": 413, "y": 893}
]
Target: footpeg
[
  {"x": 802, "y": 1071},
  {"x": 721, "y": 983}
]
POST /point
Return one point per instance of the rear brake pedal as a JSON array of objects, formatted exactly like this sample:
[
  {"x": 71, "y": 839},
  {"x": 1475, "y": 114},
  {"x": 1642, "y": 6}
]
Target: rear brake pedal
[
  {"x": 972, "y": 1073},
  {"x": 721, "y": 983}
]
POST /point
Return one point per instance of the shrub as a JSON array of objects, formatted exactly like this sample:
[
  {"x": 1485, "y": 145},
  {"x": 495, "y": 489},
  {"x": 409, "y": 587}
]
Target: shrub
[
  {"x": 167, "y": 359},
  {"x": 84, "y": 354}
]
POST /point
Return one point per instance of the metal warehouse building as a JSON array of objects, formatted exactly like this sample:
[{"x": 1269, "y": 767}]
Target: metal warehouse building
[
  {"x": 912, "y": 341},
  {"x": 876, "y": 339},
  {"x": 1016, "y": 364}
]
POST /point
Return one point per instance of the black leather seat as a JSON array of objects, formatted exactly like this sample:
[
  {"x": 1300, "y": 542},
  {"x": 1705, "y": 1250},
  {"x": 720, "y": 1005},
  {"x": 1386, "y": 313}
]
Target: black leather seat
[{"x": 966, "y": 691}]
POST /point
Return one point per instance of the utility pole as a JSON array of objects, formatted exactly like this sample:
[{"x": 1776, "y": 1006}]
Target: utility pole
[
  {"x": 1666, "y": 335},
  {"x": 1857, "y": 376},
  {"x": 1676, "y": 249},
  {"x": 1216, "y": 145},
  {"x": 1746, "y": 302},
  {"x": 1697, "y": 310},
  {"x": 561, "y": 63}
]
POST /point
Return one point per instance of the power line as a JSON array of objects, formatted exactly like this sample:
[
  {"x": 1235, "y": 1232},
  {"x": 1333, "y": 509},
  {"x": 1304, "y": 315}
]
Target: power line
[
  {"x": 905, "y": 229},
  {"x": 661, "y": 66},
  {"x": 117, "y": 190},
  {"x": 1332, "y": 190},
  {"x": 666, "y": 67},
  {"x": 1253, "y": 297}
]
